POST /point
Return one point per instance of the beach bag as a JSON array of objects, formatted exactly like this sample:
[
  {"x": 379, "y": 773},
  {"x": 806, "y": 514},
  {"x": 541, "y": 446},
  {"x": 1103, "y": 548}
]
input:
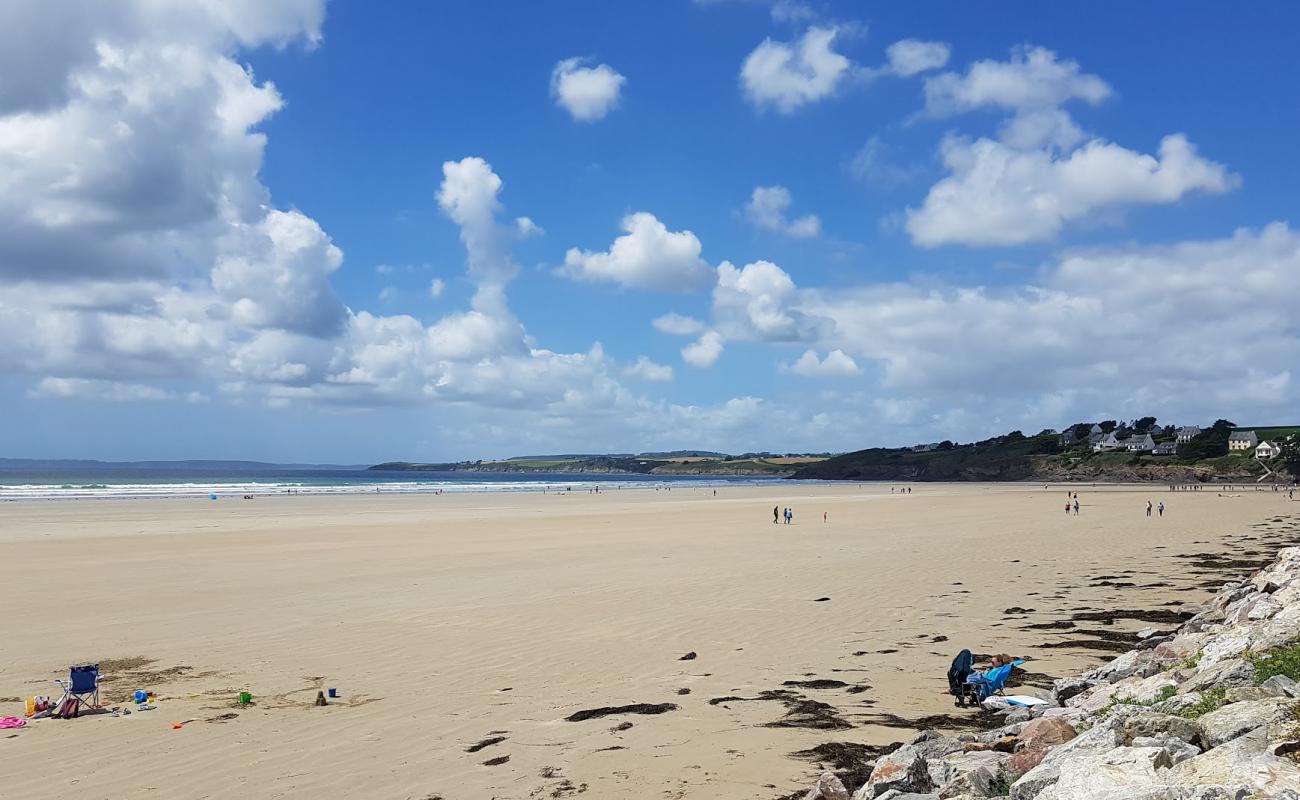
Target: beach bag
[{"x": 69, "y": 708}]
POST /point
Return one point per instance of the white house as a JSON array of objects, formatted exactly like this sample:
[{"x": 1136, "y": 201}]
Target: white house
[
  {"x": 1187, "y": 433},
  {"x": 1242, "y": 440},
  {"x": 1267, "y": 450},
  {"x": 1140, "y": 444},
  {"x": 1109, "y": 442},
  {"x": 1165, "y": 449}
]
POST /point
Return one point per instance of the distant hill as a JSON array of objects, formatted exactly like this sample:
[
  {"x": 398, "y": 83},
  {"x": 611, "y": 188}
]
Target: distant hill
[{"x": 1043, "y": 457}]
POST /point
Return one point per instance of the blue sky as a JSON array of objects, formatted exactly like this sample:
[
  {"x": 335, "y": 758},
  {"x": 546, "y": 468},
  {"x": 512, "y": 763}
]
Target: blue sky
[{"x": 290, "y": 230}]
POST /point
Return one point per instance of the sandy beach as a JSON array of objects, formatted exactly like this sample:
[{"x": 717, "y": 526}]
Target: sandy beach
[{"x": 449, "y": 621}]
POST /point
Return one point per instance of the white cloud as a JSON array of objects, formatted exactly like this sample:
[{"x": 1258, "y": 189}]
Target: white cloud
[
  {"x": 788, "y": 75},
  {"x": 436, "y": 287},
  {"x": 648, "y": 256},
  {"x": 836, "y": 364},
  {"x": 275, "y": 274},
  {"x": 703, "y": 352},
  {"x": 587, "y": 93},
  {"x": 760, "y": 302},
  {"x": 792, "y": 11},
  {"x": 99, "y": 390},
  {"x": 911, "y": 56},
  {"x": 388, "y": 294},
  {"x": 1032, "y": 79},
  {"x": 647, "y": 370},
  {"x": 468, "y": 195},
  {"x": 997, "y": 195},
  {"x": 527, "y": 228},
  {"x": 678, "y": 325},
  {"x": 766, "y": 209},
  {"x": 1043, "y": 171}
]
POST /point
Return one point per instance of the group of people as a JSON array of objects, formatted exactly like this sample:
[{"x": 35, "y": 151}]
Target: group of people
[
  {"x": 778, "y": 513},
  {"x": 1160, "y": 509},
  {"x": 1072, "y": 503}
]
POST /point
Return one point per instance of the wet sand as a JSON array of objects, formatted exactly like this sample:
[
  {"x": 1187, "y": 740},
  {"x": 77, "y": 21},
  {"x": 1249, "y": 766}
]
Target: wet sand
[{"x": 633, "y": 644}]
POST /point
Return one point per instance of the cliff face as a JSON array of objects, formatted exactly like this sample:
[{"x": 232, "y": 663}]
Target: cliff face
[{"x": 1209, "y": 711}]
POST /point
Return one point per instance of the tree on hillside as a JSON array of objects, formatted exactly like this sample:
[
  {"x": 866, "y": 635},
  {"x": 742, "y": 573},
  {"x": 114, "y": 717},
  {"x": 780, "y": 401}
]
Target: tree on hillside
[
  {"x": 1210, "y": 443},
  {"x": 1108, "y": 425},
  {"x": 946, "y": 444},
  {"x": 1144, "y": 424}
]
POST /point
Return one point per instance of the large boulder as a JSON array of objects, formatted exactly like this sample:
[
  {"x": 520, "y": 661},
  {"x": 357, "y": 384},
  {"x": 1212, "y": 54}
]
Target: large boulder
[
  {"x": 1134, "y": 662},
  {"x": 905, "y": 769},
  {"x": 1038, "y": 739},
  {"x": 1152, "y": 724},
  {"x": 1235, "y": 719},
  {"x": 1245, "y": 763},
  {"x": 1282, "y": 629},
  {"x": 1102, "y": 737},
  {"x": 1086, "y": 776},
  {"x": 827, "y": 787},
  {"x": 968, "y": 774},
  {"x": 1221, "y": 648},
  {"x": 1283, "y": 685},
  {"x": 1065, "y": 688},
  {"x": 1180, "y": 648},
  {"x": 1240, "y": 694},
  {"x": 1230, "y": 672}
]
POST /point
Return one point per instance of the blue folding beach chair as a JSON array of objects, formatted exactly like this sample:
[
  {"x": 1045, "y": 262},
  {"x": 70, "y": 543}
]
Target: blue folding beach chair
[
  {"x": 980, "y": 686},
  {"x": 81, "y": 687}
]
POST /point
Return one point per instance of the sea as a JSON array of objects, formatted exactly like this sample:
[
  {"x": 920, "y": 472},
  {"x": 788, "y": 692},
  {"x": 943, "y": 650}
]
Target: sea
[{"x": 118, "y": 482}]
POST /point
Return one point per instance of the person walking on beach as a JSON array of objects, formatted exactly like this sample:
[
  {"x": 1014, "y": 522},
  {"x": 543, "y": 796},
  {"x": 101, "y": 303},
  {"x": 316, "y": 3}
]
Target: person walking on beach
[
  {"x": 1148, "y": 508},
  {"x": 1160, "y": 509},
  {"x": 789, "y": 515},
  {"x": 775, "y": 514},
  {"x": 1067, "y": 507},
  {"x": 1076, "y": 506}
]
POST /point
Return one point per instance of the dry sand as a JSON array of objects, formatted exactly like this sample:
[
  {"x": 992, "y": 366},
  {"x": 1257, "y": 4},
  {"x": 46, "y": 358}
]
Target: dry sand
[{"x": 448, "y": 620}]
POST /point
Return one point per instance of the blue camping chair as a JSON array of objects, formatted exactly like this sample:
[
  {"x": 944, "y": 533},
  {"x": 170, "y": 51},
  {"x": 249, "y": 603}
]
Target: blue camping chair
[
  {"x": 81, "y": 687},
  {"x": 980, "y": 686}
]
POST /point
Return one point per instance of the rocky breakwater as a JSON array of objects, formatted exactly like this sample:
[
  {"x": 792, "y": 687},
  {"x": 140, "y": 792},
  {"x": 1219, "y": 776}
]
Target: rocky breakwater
[{"x": 1207, "y": 712}]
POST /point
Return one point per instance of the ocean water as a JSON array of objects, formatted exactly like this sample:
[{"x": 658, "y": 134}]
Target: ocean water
[{"x": 119, "y": 482}]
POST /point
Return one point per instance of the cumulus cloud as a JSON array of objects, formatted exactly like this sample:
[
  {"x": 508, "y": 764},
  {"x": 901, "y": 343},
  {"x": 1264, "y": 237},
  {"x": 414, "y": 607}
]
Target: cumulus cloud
[
  {"x": 704, "y": 352},
  {"x": 1043, "y": 171},
  {"x": 788, "y": 75},
  {"x": 587, "y": 93},
  {"x": 436, "y": 288},
  {"x": 767, "y": 210},
  {"x": 648, "y": 256},
  {"x": 678, "y": 325},
  {"x": 836, "y": 364},
  {"x": 759, "y": 302},
  {"x": 997, "y": 195},
  {"x": 911, "y": 56},
  {"x": 1033, "y": 78},
  {"x": 647, "y": 370},
  {"x": 527, "y": 228}
]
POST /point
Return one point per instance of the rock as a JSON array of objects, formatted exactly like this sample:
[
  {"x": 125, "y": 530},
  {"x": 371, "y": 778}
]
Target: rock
[
  {"x": 894, "y": 794},
  {"x": 1146, "y": 690},
  {"x": 1018, "y": 714},
  {"x": 1263, "y": 608},
  {"x": 1100, "y": 738},
  {"x": 1232, "y": 672},
  {"x": 1239, "y": 694},
  {"x": 1177, "y": 704},
  {"x": 1180, "y": 648},
  {"x": 932, "y": 745},
  {"x": 1281, "y": 630},
  {"x": 1222, "y": 648},
  {"x": 1065, "y": 688},
  {"x": 828, "y": 787},
  {"x": 1150, "y": 724},
  {"x": 1134, "y": 662},
  {"x": 1088, "y": 776},
  {"x": 1243, "y": 762},
  {"x": 967, "y": 774},
  {"x": 1038, "y": 739},
  {"x": 1178, "y": 750},
  {"x": 905, "y": 769},
  {"x": 1148, "y": 633},
  {"x": 1282, "y": 684},
  {"x": 1235, "y": 719}
]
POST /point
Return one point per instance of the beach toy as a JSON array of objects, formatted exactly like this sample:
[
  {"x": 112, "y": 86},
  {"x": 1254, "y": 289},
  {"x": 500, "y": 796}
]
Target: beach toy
[
  {"x": 31, "y": 706},
  {"x": 334, "y": 692},
  {"x": 245, "y": 698},
  {"x": 141, "y": 696},
  {"x": 213, "y": 496},
  {"x": 177, "y": 725}
]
